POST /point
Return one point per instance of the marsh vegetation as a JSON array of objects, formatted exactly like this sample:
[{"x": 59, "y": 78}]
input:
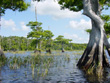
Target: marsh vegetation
[{"x": 44, "y": 67}]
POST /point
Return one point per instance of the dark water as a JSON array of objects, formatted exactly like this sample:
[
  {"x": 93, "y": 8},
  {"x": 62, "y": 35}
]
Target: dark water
[{"x": 62, "y": 70}]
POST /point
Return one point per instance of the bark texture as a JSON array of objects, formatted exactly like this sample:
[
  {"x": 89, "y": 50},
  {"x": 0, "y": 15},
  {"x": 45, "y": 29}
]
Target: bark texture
[
  {"x": 37, "y": 51},
  {"x": 1, "y": 52},
  {"x": 63, "y": 48},
  {"x": 48, "y": 51},
  {"x": 36, "y": 44},
  {"x": 94, "y": 58}
]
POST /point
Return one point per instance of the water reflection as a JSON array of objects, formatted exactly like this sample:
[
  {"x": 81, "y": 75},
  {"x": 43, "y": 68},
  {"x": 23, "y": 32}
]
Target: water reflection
[{"x": 59, "y": 68}]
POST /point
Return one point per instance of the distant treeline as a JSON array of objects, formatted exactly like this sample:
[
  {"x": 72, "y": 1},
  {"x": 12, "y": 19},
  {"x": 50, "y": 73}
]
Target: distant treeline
[{"x": 15, "y": 43}]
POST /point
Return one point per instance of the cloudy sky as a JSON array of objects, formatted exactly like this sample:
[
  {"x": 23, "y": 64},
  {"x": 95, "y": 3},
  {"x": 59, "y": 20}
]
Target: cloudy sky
[{"x": 70, "y": 24}]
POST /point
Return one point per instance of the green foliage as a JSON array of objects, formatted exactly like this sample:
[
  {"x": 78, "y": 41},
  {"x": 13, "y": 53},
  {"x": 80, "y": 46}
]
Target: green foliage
[
  {"x": 79, "y": 46},
  {"x": 62, "y": 42},
  {"x": 77, "y": 5},
  {"x": 39, "y": 34},
  {"x": 34, "y": 25},
  {"x": 60, "y": 39},
  {"x": 74, "y": 5},
  {"x": 48, "y": 34},
  {"x": 3, "y": 60},
  {"x": 88, "y": 30},
  {"x": 107, "y": 27},
  {"x": 14, "y": 5},
  {"x": 105, "y": 4},
  {"x": 14, "y": 43},
  {"x": 36, "y": 33},
  {"x": 106, "y": 19},
  {"x": 48, "y": 38}
]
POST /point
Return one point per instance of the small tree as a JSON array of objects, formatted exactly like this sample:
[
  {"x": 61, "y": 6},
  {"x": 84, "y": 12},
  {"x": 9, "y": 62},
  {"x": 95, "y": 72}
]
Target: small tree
[
  {"x": 61, "y": 40},
  {"x": 36, "y": 33},
  {"x": 48, "y": 38}
]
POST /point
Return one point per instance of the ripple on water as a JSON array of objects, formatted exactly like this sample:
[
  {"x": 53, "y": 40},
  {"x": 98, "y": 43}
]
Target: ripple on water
[{"x": 62, "y": 70}]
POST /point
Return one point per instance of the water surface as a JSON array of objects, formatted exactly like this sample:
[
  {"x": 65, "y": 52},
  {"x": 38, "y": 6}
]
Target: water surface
[{"x": 61, "y": 69}]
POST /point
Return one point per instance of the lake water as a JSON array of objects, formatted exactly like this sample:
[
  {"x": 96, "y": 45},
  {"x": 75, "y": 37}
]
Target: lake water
[{"x": 61, "y": 68}]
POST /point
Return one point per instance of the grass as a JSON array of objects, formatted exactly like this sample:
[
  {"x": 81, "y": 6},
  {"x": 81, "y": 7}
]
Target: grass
[
  {"x": 15, "y": 52},
  {"x": 40, "y": 64},
  {"x": 3, "y": 60},
  {"x": 48, "y": 54}
]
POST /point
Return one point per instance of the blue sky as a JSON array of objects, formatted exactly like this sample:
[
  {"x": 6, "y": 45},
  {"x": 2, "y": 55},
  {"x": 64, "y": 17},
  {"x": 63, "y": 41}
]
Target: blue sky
[{"x": 70, "y": 24}]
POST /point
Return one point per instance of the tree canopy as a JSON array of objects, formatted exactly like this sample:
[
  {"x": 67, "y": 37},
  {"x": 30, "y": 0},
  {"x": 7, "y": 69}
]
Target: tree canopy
[
  {"x": 62, "y": 40},
  {"x": 48, "y": 34},
  {"x": 77, "y": 5},
  {"x": 14, "y": 5},
  {"x": 37, "y": 31}
]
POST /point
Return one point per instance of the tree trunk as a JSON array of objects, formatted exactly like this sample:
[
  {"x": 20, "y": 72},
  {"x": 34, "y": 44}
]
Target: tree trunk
[
  {"x": 94, "y": 57},
  {"x": 1, "y": 53},
  {"x": 48, "y": 51},
  {"x": 63, "y": 47},
  {"x": 40, "y": 44},
  {"x": 37, "y": 50},
  {"x": 37, "y": 45}
]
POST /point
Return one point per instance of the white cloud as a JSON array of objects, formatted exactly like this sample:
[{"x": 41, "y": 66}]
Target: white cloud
[
  {"x": 14, "y": 29},
  {"x": 51, "y": 7},
  {"x": 8, "y": 24},
  {"x": 24, "y": 27},
  {"x": 82, "y": 24},
  {"x": 11, "y": 24},
  {"x": 70, "y": 36},
  {"x": 76, "y": 38}
]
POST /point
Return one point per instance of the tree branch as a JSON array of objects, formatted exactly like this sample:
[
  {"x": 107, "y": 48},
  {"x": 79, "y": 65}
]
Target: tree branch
[{"x": 88, "y": 11}]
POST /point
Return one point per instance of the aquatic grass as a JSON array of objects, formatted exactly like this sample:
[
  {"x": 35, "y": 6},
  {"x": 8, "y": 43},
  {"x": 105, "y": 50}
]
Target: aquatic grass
[
  {"x": 3, "y": 60},
  {"x": 48, "y": 54},
  {"x": 38, "y": 71},
  {"x": 76, "y": 59},
  {"x": 78, "y": 52},
  {"x": 67, "y": 58},
  {"x": 47, "y": 68},
  {"x": 15, "y": 62},
  {"x": 40, "y": 64},
  {"x": 45, "y": 72},
  {"x": 33, "y": 68}
]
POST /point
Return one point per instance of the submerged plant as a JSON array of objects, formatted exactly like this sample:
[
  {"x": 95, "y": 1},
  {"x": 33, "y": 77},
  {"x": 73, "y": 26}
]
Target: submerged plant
[
  {"x": 39, "y": 65},
  {"x": 3, "y": 60},
  {"x": 15, "y": 62},
  {"x": 67, "y": 58}
]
